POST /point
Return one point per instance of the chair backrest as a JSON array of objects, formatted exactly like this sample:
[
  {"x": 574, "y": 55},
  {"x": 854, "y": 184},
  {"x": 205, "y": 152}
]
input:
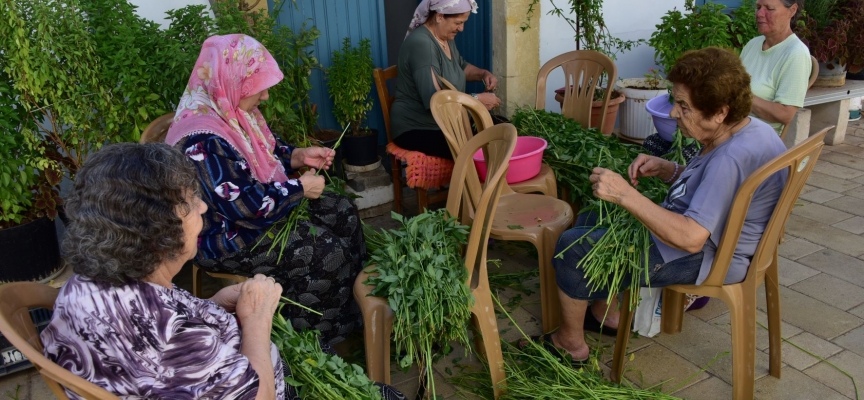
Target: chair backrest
[
  {"x": 446, "y": 84},
  {"x": 498, "y": 143},
  {"x": 582, "y": 72},
  {"x": 381, "y": 77},
  {"x": 451, "y": 110},
  {"x": 156, "y": 131},
  {"x": 799, "y": 161},
  {"x": 16, "y": 325},
  {"x": 814, "y": 72}
]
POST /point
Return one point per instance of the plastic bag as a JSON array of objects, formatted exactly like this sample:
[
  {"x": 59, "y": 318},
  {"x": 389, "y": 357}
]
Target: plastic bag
[{"x": 646, "y": 321}]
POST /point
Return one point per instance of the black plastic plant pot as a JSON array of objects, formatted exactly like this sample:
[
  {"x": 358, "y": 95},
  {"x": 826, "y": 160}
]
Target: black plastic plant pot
[
  {"x": 29, "y": 251},
  {"x": 361, "y": 150}
]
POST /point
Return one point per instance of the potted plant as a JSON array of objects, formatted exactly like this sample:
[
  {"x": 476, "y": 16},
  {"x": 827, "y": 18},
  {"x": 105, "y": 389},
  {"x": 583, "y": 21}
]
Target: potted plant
[
  {"x": 833, "y": 30},
  {"x": 349, "y": 82},
  {"x": 635, "y": 119},
  {"x": 591, "y": 33},
  {"x": 702, "y": 26}
]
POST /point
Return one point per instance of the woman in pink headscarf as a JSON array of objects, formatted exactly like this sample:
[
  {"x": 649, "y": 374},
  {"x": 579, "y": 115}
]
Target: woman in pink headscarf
[
  {"x": 247, "y": 185},
  {"x": 428, "y": 52}
]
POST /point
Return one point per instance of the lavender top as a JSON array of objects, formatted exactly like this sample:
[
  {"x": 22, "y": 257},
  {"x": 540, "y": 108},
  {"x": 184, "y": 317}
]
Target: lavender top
[{"x": 143, "y": 340}]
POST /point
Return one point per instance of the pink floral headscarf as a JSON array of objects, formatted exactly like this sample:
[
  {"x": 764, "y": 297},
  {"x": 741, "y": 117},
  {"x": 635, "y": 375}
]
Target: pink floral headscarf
[
  {"x": 421, "y": 14},
  {"x": 230, "y": 68}
]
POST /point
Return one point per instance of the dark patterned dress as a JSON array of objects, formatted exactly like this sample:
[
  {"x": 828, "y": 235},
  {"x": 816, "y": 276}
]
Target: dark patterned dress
[
  {"x": 143, "y": 340},
  {"x": 324, "y": 254}
]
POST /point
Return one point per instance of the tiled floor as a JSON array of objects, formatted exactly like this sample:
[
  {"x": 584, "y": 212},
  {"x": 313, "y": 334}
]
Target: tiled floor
[{"x": 822, "y": 297}]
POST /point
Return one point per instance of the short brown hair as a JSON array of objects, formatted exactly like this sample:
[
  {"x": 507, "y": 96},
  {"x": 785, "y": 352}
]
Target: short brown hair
[{"x": 716, "y": 78}]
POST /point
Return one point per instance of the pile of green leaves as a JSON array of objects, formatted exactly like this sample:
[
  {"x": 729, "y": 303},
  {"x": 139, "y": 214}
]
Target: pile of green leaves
[
  {"x": 349, "y": 79},
  {"x": 700, "y": 27},
  {"x": 572, "y": 153},
  {"x": 314, "y": 373},
  {"x": 419, "y": 269},
  {"x": 535, "y": 373}
]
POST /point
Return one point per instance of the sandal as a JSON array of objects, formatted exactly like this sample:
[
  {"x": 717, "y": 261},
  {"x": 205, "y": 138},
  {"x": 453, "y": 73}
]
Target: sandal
[
  {"x": 546, "y": 341},
  {"x": 593, "y": 325}
]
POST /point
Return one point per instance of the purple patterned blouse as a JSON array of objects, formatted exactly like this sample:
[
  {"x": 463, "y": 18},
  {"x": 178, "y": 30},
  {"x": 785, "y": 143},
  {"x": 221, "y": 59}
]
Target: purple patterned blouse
[{"x": 146, "y": 341}]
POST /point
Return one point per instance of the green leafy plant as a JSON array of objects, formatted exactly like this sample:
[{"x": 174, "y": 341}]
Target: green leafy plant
[
  {"x": 700, "y": 27},
  {"x": 833, "y": 30},
  {"x": 418, "y": 268},
  {"x": 349, "y": 80},
  {"x": 316, "y": 374}
]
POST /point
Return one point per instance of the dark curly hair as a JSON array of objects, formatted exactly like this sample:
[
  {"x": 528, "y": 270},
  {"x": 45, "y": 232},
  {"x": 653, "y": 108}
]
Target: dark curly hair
[
  {"x": 716, "y": 78},
  {"x": 123, "y": 211}
]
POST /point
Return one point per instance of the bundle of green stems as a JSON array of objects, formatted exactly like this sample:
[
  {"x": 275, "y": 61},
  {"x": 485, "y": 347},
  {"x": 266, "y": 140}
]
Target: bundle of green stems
[{"x": 419, "y": 269}]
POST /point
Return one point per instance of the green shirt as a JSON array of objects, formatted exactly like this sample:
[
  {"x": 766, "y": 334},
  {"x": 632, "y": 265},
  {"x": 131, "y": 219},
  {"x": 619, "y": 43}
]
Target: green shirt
[
  {"x": 420, "y": 55},
  {"x": 779, "y": 74}
]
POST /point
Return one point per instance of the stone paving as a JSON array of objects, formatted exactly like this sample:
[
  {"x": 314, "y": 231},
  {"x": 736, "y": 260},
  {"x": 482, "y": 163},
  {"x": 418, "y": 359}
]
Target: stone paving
[{"x": 822, "y": 298}]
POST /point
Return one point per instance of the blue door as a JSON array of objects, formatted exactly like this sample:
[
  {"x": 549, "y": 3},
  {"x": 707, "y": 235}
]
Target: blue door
[
  {"x": 338, "y": 19},
  {"x": 475, "y": 42}
]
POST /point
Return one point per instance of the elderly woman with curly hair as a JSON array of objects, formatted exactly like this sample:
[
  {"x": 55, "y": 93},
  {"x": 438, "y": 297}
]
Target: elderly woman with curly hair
[
  {"x": 135, "y": 213},
  {"x": 712, "y": 103},
  {"x": 134, "y": 218}
]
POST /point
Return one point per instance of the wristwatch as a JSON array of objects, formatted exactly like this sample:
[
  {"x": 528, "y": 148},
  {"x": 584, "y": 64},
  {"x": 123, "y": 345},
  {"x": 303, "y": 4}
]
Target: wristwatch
[{"x": 474, "y": 95}]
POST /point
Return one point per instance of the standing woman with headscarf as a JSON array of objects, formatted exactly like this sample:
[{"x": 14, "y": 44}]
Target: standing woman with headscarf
[
  {"x": 244, "y": 175},
  {"x": 428, "y": 52}
]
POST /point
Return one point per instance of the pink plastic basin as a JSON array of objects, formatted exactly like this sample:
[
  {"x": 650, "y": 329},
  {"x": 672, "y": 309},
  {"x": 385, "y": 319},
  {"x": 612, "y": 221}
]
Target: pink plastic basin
[{"x": 524, "y": 164}]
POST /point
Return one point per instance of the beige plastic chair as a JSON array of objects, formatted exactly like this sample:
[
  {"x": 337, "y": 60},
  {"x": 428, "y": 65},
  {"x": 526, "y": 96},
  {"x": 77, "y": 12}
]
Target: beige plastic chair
[
  {"x": 544, "y": 182},
  {"x": 582, "y": 72},
  {"x": 423, "y": 198},
  {"x": 155, "y": 132},
  {"x": 540, "y": 219},
  {"x": 16, "y": 325},
  {"x": 814, "y": 73},
  {"x": 740, "y": 297},
  {"x": 498, "y": 143}
]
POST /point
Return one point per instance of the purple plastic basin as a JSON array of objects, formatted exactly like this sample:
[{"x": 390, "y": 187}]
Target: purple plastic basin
[{"x": 659, "y": 109}]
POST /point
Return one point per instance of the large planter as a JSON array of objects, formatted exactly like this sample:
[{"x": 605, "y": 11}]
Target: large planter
[
  {"x": 30, "y": 252},
  {"x": 659, "y": 108},
  {"x": 361, "y": 150},
  {"x": 831, "y": 74},
  {"x": 636, "y": 122},
  {"x": 596, "y": 106}
]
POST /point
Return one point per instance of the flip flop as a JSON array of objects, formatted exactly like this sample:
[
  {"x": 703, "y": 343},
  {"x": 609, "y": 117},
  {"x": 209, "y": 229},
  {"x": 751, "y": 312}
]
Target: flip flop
[
  {"x": 546, "y": 341},
  {"x": 593, "y": 325}
]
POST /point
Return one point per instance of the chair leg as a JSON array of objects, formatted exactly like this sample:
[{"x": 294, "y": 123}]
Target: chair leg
[
  {"x": 742, "y": 313},
  {"x": 672, "y": 311},
  {"x": 396, "y": 171},
  {"x": 422, "y": 200},
  {"x": 197, "y": 284},
  {"x": 551, "y": 187},
  {"x": 772, "y": 299},
  {"x": 625, "y": 322},
  {"x": 549, "y": 302},
  {"x": 489, "y": 341},
  {"x": 377, "y": 329}
]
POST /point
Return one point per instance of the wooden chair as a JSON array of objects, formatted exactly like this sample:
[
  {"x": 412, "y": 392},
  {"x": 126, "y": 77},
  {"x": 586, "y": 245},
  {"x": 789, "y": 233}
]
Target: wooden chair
[
  {"x": 814, "y": 73},
  {"x": 740, "y": 297},
  {"x": 155, "y": 132},
  {"x": 544, "y": 182},
  {"x": 542, "y": 219},
  {"x": 423, "y": 197},
  {"x": 498, "y": 143},
  {"x": 582, "y": 72},
  {"x": 16, "y": 325}
]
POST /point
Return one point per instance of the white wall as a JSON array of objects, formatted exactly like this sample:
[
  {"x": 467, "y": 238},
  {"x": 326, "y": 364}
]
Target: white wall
[
  {"x": 626, "y": 19},
  {"x": 155, "y": 9}
]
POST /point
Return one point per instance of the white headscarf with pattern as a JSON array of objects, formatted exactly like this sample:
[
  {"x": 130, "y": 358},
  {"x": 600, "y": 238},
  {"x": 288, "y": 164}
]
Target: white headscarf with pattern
[{"x": 421, "y": 14}]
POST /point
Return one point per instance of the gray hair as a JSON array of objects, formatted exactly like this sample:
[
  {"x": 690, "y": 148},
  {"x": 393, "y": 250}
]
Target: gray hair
[
  {"x": 788, "y": 4},
  {"x": 124, "y": 211}
]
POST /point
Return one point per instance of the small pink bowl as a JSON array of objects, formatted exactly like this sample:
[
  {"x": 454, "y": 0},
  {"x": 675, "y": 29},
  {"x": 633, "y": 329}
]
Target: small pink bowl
[{"x": 525, "y": 162}]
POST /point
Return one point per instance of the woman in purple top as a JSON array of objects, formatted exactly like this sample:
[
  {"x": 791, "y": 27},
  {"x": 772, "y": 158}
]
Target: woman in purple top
[{"x": 712, "y": 102}]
